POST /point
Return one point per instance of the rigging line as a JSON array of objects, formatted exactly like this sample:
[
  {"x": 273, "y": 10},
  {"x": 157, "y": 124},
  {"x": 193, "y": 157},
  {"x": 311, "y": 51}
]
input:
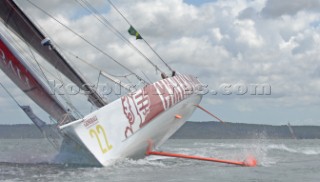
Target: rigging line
[
  {"x": 122, "y": 76},
  {"x": 98, "y": 17},
  {"x": 47, "y": 80},
  {"x": 97, "y": 68},
  {"x": 50, "y": 73},
  {"x": 157, "y": 55},
  {"x": 28, "y": 22},
  {"x": 14, "y": 7},
  {"x": 106, "y": 23},
  {"x": 98, "y": 81},
  {"x": 40, "y": 68},
  {"x": 110, "y": 2},
  {"x": 4, "y": 88},
  {"x": 43, "y": 132},
  {"x": 129, "y": 81},
  {"x": 71, "y": 62},
  {"x": 67, "y": 98},
  {"x": 39, "y": 65},
  {"x": 88, "y": 42},
  {"x": 21, "y": 50},
  {"x": 101, "y": 71},
  {"x": 146, "y": 76},
  {"x": 62, "y": 95}
]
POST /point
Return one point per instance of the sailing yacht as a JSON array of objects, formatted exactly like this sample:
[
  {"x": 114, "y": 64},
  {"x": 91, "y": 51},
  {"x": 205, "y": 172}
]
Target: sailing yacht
[{"x": 122, "y": 128}]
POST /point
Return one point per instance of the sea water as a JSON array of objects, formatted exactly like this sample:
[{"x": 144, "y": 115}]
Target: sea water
[{"x": 278, "y": 160}]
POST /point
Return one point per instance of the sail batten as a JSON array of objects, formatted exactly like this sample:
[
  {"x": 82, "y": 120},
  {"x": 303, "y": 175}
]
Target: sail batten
[{"x": 14, "y": 18}]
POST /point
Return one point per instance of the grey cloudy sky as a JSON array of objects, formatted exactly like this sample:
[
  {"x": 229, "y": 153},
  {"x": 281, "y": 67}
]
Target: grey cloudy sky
[{"x": 236, "y": 43}]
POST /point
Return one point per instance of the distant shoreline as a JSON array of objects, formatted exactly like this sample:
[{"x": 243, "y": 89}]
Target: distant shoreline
[
  {"x": 197, "y": 130},
  {"x": 217, "y": 130}
]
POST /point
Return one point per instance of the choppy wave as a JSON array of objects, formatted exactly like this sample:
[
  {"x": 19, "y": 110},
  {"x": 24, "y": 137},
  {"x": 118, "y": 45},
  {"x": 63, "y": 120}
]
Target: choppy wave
[
  {"x": 278, "y": 160},
  {"x": 267, "y": 152},
  {"x": 140, "y": 163},
  {"x": 306, "y": 151}
]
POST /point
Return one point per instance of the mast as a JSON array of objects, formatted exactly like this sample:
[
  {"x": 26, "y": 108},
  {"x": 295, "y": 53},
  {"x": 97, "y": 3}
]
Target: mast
[
  {"x": 15, "y": 68},
  {"x": 13, "y": 17}
]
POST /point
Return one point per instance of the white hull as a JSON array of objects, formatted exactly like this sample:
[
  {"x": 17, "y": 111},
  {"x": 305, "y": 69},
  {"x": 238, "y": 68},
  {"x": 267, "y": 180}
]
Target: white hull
[{"x": 123, "y": 128}]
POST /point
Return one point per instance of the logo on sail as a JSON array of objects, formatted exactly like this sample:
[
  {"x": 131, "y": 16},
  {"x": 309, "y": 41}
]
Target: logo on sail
[{"x": 13, "y": 66}]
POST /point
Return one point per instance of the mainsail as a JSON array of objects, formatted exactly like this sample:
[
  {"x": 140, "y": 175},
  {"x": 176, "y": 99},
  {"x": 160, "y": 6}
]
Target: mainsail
[
  {"x": 14, "y": 67},
  {"x": 13, "y": 17}
]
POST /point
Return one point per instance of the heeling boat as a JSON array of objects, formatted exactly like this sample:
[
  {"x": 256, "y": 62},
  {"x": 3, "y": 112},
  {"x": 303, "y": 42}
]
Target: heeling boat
[
  {"x": 125, "y": 127},
  {"x": 122, "y": 128}
]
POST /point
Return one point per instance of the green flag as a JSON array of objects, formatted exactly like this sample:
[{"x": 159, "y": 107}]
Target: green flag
[{"x": 133, "y": 32}]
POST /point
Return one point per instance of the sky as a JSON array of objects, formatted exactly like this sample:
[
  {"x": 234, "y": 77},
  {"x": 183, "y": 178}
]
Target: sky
[{"x": 232, "y": 46}]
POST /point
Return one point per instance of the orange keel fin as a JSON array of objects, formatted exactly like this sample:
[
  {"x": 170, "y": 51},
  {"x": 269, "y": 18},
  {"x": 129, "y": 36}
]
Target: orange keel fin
[{"x": 249, "y": 162}]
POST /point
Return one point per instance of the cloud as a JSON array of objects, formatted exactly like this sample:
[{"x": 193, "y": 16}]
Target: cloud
[
  {"x": 275, "y": 8},
  {"x": 251, "y": 42}
]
